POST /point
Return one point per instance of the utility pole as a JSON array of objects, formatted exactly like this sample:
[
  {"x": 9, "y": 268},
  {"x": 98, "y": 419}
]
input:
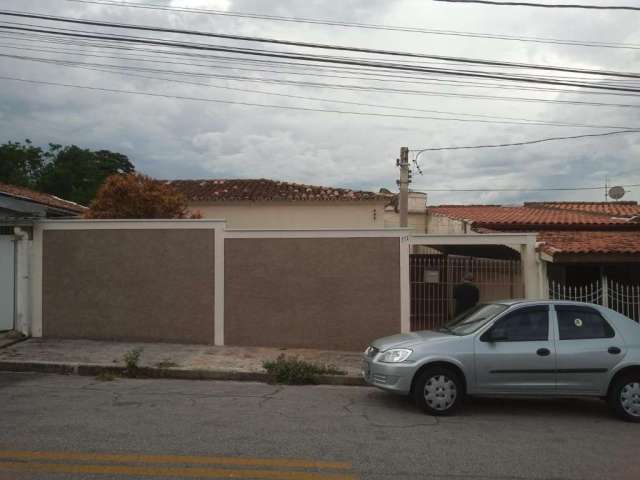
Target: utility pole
[{"x": 403, "y": 184}]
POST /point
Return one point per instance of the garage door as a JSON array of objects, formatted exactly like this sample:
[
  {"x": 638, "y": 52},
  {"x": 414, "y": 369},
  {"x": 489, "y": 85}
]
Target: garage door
[{"x": 7, "y": 280}]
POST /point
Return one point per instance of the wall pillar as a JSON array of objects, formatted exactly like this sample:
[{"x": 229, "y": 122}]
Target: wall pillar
[
  {"x": 530, "y": 271},
  {"x": 22, "y": 276}
]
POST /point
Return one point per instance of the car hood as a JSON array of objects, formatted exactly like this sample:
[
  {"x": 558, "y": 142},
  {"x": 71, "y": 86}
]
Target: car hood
[{"x": 404, "y": 340}]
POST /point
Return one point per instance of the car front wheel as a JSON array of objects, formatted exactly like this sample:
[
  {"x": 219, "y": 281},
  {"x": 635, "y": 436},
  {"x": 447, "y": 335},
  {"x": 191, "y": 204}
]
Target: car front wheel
[
  {"x": 438, "y": 391},
  {"x": 624, "y": 397}
]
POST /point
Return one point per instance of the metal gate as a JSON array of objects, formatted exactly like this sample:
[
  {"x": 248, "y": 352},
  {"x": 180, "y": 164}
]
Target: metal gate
[
  {"x": 433, "y": 278},
  {"x": 7, "y": 282},
  {"x": 620, "y": 297}
]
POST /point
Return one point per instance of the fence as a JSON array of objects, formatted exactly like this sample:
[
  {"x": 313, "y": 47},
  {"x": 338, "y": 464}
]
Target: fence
[
  {"x": 622, "y": 298},
  {"x": 433, "y": 278}
]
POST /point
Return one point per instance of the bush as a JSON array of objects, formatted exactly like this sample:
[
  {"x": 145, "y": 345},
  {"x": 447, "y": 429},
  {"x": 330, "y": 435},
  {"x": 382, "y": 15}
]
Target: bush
[
  {"x": 293, "y": 371},
  {"x": 131, "y": 360}
]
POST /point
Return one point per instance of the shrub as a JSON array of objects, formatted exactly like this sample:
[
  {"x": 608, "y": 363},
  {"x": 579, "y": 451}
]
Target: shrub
[
  {"x": 131, "y": 360},
  {"x": 293, "y": 371}
]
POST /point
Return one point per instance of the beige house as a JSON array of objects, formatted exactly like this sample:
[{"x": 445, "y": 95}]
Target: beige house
[{"x": 270, "y": 204}]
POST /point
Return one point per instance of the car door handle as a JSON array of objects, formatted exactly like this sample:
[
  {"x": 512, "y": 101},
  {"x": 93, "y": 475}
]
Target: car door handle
[
  {"x": 614, "y": 350},
  {"x": 544, "y": 352}
]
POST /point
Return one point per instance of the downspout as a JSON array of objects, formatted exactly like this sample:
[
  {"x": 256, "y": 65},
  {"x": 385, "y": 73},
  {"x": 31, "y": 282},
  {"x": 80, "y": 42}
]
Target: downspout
[{"x": 22, "y": 281}]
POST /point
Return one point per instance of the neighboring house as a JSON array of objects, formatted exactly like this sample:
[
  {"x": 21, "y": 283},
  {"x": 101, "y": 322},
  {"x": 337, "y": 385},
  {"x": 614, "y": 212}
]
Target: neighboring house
[
  {"x": 19, "y": 209},
  {"x": 19, "y": 202},
  {"x": 269, "y": 204},
  {"x": 586, "y": 247}
]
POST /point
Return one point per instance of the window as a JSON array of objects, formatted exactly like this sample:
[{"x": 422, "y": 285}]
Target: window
[
  {"x": 578, "y": 323},
  {"x": 523, "y": 325}
]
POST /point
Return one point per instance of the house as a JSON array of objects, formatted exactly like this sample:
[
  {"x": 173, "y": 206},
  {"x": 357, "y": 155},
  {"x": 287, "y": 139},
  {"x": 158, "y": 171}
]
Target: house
[
  {"x": 19, "y": 202},
  {"x": 589, "y": 250},
  {"x": 19, "y": 208},
  {"x": 272, "y": 204}
]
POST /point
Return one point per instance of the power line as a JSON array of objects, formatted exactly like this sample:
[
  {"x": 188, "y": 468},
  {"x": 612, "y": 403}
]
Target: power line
[
  {"x": 250, "y": 104},
  {"x": 314, "y": 45},
  {"x": 491, "y": 190},
  {"x": 419, "y": 151},
  {"x": 345, "y": 61},
  {"x": 491, "y": 36},
  {"x": 542, "y": 5},
  {"x": 105, "y": 68}
]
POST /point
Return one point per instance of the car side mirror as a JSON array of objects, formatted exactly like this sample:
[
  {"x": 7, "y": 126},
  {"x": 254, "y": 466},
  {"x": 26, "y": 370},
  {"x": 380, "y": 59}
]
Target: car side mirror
[{"x": 495, "y": 334}]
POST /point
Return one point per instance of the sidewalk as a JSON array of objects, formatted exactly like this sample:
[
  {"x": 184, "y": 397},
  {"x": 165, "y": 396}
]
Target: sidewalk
[{"x": 87, "y": 357}]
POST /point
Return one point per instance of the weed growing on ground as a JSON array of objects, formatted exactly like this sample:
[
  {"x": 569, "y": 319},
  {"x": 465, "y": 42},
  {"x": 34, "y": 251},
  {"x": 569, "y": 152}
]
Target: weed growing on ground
[
  {"x": 166, "y": 363},
  {"x": 293, "y": 371},
  {"x": 106, "y": 376},
  {"x": 131, "y": 360}
]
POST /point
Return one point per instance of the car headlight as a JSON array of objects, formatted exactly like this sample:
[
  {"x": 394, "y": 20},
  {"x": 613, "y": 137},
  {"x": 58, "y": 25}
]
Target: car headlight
[
  {"x": 395, "y": 355},
  {"x": 369, "y": 350}
]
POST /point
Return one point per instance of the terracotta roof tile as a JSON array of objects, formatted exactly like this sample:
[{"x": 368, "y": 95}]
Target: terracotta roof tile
[
  {"x": 265, "y": 190},
  {"x": 496, "y": 216},
  {"x": 41, "y": 198},
  {"x": 617, "y": 209},
  {"x": 590, "y": 242}
]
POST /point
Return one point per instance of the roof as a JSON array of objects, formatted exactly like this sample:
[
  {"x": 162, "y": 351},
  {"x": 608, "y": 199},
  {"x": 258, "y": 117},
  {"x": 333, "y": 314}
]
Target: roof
[
  {"x": 261, "y": 190},
  {"x": 529, "y": 216},
  {"x": 52, "y": 201},
  {"x": 589, "y": 242},
  {"x": 617, "y": 209}
]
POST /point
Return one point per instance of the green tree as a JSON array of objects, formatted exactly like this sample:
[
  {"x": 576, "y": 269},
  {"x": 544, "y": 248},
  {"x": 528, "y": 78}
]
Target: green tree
[
  {"x": 76, "y": 174},
  {"x": 21, "y": 163}
]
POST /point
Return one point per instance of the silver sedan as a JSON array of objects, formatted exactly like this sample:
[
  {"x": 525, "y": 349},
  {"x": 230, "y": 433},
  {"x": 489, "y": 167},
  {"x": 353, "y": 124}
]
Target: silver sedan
[{"x": 546, "y": 348}]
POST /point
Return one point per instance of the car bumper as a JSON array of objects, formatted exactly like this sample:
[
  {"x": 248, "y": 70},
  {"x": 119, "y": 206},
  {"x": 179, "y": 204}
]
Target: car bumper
[{"x": 388, "y": 376}]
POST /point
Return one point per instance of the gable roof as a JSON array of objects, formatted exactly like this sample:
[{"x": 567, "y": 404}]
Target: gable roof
[
  {"x": 617, "y": 209},
  {"x": 527, "y": 217},
  {"x": 45, "y": 199},
  {"x": 589, "y": 242},
  {"x": 264, "y": 190}
]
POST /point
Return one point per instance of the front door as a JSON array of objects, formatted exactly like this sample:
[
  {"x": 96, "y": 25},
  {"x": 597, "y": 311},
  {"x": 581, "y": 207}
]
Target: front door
[
  {"x": 588, "y": 348},
  {"x": 7, "y": 291},
  {"x": 517, "y": 354}
]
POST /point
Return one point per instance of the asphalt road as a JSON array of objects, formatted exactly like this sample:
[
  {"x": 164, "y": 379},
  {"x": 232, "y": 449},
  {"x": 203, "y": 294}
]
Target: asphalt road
[{"x": 57, "y": 427}]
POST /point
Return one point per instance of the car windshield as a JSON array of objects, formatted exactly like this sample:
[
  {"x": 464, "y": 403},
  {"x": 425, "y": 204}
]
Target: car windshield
[{"x": 474, "y": 318}]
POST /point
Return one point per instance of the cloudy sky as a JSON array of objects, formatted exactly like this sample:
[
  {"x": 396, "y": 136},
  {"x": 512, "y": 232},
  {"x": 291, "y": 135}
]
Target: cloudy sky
[{"x": 186, "y": 138}]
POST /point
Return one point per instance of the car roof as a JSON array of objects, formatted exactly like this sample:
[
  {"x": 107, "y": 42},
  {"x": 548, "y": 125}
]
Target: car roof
[{"x": 520, "y": 301}]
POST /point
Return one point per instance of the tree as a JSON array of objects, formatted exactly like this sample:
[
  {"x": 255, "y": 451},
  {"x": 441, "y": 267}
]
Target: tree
[
  {"x": 70, "y": 172},
  {"x": 21, "y": 164},
  {"x": 76, "y": 174},
  {"x": 135, "y": 195}
]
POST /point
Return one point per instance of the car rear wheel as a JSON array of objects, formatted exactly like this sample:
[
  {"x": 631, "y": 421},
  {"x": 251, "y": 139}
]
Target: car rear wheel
[
  {"x": 624, "y": 397},
  {"x": 438, "y": 391}
]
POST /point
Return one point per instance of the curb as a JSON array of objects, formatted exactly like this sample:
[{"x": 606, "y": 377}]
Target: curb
[{"x": 166, "y": 373}]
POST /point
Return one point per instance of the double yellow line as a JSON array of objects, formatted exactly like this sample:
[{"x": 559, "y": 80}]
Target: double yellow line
[{"x": 198, "y": 467}]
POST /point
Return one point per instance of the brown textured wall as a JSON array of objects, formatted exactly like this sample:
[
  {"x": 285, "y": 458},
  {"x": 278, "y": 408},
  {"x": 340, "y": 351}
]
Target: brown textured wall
[
  {"x": 143, "y": 285},
  {"x": 332, "y": 293}
]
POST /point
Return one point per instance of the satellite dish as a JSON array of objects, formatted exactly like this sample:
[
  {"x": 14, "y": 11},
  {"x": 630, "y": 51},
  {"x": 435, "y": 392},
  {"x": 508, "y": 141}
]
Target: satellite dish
[{"x": 617, "y": 192}]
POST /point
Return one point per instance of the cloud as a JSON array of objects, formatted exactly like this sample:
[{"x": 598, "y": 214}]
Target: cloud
[{"x": 179, "y": 138}]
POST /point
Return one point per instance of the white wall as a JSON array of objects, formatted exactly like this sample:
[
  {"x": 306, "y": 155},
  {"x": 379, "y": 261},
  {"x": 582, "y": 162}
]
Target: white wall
[
  {"x": 440, "y": 225},
  {"x": 295, "y": 215}
]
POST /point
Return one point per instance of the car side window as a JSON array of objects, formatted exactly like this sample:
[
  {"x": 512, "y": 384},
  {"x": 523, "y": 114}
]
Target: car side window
[
  {"x": 579, "y": 323},
  {"x": 524, "y": 325}
]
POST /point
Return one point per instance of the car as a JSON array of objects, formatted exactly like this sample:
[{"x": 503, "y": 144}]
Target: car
[{"x": 516, "y": 347}]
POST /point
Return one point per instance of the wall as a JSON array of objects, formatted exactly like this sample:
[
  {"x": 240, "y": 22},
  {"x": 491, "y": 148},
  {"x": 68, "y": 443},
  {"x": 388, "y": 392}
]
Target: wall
[
  {"x": 129, "y": 284},
  {"x": 442, "y": 225},
  {"x": 295, "y": 215},
  {"x": 327, "y": 293}
]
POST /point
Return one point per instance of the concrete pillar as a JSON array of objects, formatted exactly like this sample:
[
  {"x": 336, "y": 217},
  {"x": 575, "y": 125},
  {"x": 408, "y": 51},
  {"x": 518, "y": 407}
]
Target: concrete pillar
[
  {"x": 530, "y": 271},
  {"x": 23, "y": 297}
]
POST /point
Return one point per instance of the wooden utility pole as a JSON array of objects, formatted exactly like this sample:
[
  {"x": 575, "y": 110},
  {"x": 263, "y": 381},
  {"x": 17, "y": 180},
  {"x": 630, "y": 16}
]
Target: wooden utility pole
[{"x": 403, "y": 184}]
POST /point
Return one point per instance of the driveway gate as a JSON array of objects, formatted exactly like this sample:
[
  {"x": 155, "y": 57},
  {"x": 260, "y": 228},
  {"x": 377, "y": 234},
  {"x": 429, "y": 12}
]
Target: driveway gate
[{"x": 433, "y": 278}]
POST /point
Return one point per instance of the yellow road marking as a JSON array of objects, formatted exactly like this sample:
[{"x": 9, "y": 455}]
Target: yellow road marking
[
  {"x": 168, "y": 471},
  {"x": 184, "y": 459}
]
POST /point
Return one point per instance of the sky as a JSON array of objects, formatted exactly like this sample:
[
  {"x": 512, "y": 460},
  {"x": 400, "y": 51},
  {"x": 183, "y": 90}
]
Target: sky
[{"x": 173, "y": 138}]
